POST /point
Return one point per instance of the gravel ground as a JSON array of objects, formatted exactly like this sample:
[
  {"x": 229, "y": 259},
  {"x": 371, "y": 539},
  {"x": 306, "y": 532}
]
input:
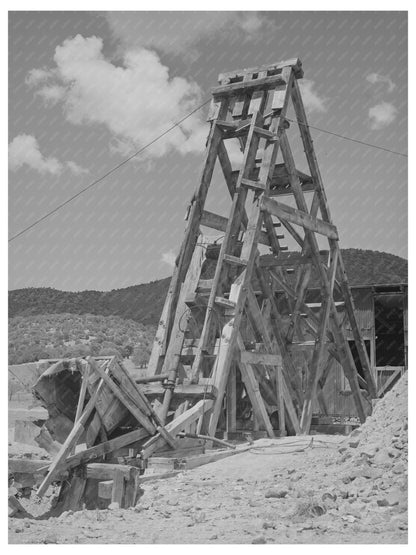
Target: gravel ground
[{"x": 333, "y": 490}]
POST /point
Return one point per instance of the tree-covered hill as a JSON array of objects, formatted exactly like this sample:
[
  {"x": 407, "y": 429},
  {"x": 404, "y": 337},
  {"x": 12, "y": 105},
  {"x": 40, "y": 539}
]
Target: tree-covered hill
[
  {"x": 67, "y": 335},
  {"x": 142, "y": 303}
]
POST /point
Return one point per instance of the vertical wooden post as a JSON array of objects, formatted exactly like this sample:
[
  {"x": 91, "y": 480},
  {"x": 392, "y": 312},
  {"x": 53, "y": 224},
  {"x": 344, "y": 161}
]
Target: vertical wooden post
[{"x": 231, "y": 399}]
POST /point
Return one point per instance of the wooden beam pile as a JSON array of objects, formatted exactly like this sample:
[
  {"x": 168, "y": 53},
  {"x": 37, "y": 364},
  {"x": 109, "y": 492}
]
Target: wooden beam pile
[{"x": 109, "y": 403}]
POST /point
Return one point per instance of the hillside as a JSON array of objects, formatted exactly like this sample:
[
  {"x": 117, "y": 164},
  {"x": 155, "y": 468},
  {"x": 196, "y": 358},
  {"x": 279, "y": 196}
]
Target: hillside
[
  {"x": 67, "y": 335},
  {"x": 141, "y": 303},
  {"x": 144, "y": 303}
]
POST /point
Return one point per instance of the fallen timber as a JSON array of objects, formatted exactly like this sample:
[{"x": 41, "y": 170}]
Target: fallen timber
[{"x": 102, "y": 429}]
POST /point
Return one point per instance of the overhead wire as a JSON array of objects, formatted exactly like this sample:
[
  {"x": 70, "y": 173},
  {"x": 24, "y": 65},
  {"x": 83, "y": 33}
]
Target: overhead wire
[
  {"x": 347, "y": 138},
  {"x": 176, "y": 124},
  {"x": 109, "y": 172}
]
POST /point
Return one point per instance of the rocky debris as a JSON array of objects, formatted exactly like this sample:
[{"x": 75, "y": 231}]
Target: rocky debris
[
  {"x": 275, "y": 493},
  {"x": 329, "y": 493},
  {"x": 259, "y": 540},
  {"x": 374, "y": 462}
]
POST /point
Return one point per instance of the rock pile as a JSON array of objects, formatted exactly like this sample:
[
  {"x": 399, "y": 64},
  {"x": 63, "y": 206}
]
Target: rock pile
[{"x": 374, "y": 462}]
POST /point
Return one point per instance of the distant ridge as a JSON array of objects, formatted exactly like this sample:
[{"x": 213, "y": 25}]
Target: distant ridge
[{"x": 143, "y": 303}]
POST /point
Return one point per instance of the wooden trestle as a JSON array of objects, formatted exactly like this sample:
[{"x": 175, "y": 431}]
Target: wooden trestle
[{"x": 213, "y": 330}]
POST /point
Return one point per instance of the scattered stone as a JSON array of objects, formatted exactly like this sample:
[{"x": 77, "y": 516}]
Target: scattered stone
[
  {"x": 259, "y": 540},
  {"x": 51, "y": 538},
  {"x": 113, "y": 506},
  {"x": 199, "y": 517},
  {"x": 275, "y": 493},
  {"x": 354, "y": 443}
]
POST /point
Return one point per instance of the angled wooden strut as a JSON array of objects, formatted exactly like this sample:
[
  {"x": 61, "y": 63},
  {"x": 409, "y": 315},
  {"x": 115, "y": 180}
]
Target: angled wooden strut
[{"x": 230, "y": 324}]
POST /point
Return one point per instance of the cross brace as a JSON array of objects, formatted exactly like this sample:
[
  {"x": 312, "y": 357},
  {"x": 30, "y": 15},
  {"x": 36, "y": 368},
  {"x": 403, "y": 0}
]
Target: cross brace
[{"x": 222, "y": 298}]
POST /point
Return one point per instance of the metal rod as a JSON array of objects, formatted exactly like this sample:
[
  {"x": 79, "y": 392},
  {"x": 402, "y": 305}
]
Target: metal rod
[
  {"x": 209, "y": 438},
  {"x": 158, "y": 378}
]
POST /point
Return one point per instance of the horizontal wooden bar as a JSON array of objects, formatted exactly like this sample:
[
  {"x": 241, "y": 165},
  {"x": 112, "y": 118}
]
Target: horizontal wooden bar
[
  {"x": 233, "y": 88},
  {"x": 234, "y": 260},
  {"x": 27, "y": 466},
  {"x": 148, "y": 379},
  {"x": 265, "y": 133},
  {"x": 298, "y": 217},
  {"x": 295, "y": 63},
  {"x": 269, "y": 261},
  {"x": 251, "y": 357},
  {"x": 256, "y": 185},
  {"x": 319, "y": 305},
  {"x": 189, "y": 391},
  {"x": 215, "y": 221},
  {"x": 105, "y": 471}
]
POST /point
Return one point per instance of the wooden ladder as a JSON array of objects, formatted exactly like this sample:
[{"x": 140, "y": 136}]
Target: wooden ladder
[{"x": 233, "y": 321}]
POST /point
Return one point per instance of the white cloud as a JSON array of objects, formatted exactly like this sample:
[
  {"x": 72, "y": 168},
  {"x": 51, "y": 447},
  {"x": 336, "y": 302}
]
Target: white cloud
[
  {"x": 136, "y": 101},
  {"x": 381, "y": 115},
  {"x": 250, "y": 22},
  {"x": 24, "y": 150},
  {"x": 311, "y": 99},
  {"x": 169, "y": 258},
  {"x": 37, "y": 76},
  {"x": 235, "y": 155},
  {"x": 75, "y": 168},
  {"x": 52, "y": 93},
  {"x": 374, "y": 78}
]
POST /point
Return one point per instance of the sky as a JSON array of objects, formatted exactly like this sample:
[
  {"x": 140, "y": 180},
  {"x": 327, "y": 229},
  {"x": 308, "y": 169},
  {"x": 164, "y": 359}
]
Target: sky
[{"x": 88, "y": 89}]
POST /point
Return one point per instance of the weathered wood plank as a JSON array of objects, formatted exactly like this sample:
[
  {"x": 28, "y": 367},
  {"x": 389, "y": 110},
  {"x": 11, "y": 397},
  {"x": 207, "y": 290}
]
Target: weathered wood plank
[
  {"x": 252, "y": 388},
  {"x": 124, "y": 399},
  {"x": 76, "y": 432},
  {"x": 294, "y": 63},
  {"x": 106, "y": 471},
  {"x": 266, "y": 359},
  {"x": 177, "y": 425},
  {"x": 117, "y": 492},
  {"x": 298, "y": 217}
]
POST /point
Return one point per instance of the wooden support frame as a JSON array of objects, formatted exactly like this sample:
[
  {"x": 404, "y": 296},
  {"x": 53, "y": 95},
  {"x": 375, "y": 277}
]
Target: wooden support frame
[{"x": 238, "y": 111}]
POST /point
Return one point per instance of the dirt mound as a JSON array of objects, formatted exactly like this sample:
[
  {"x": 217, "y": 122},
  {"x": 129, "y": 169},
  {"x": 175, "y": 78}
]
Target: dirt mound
[{"x": 374, "y": 458}]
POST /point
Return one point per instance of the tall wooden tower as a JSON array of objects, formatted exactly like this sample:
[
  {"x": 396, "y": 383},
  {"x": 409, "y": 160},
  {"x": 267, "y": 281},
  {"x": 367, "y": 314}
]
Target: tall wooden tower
[{"x": 224, "y": 340}]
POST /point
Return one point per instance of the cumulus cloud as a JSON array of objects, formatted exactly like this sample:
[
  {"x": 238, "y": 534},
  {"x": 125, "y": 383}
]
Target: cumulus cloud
[
  {"x": 312, "y": 100},
  {"x": 37, "y": 76},
  {"x": 250, "y": 22},
  {"x": 135, "y": 100},
  {"x": 381, "y": 115},
  {"x": 24, "y": 151},
  {"x": 169, "y": 258},
  {"x": 51, "y": 94},
  {"x": 75, "y": 168},
  {"x": 374, "y": 78}
]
